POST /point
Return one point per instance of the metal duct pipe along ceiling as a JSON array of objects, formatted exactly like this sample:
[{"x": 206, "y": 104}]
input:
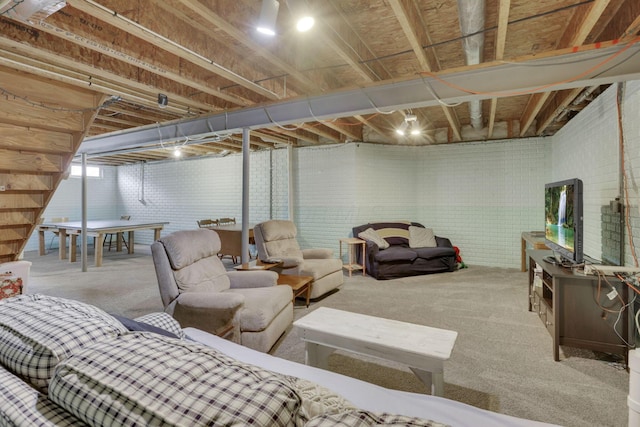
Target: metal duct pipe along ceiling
[
  {"x": 563, "y": 70},
  {"x": 472, "y": 27}
]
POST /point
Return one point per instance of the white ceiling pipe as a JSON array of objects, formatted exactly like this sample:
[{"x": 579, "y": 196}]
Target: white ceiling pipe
[{"x": 472, "y": 26}]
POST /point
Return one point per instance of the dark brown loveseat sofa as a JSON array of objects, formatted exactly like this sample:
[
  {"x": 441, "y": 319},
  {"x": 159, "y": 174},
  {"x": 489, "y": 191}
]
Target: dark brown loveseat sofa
[{"x": 405, "y": 255}]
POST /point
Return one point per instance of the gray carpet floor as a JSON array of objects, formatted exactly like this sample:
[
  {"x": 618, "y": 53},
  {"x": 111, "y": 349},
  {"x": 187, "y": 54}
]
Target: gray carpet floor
[{"x": 502, "y": 360}]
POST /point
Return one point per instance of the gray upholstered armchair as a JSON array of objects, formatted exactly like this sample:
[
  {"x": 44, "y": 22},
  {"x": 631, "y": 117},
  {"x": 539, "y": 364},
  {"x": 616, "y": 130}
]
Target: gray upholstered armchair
[
  {"x": 197, "y": 290},
  {"x": 276, "y": 239}
]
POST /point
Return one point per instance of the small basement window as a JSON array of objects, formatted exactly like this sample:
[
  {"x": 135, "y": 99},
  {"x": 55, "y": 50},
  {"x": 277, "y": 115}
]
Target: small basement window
[{"x": 92, "y": 171}]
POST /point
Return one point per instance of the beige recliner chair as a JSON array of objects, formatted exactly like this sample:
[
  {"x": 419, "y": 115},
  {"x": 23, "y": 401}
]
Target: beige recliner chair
[
  {"x": 197, "y": 290},
  {"x": 276, "y": 240}
]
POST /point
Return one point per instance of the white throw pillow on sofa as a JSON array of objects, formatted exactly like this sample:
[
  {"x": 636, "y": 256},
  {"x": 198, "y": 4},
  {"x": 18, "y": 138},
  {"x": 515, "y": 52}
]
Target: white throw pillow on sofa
[
  {"x": 373, "y": 236},
  {"x": 420, "y": 237}
]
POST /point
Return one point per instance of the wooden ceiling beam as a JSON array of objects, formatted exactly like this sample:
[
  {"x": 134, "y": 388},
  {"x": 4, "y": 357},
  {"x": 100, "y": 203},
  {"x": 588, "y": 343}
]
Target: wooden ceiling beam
[
  {"x": 632, "y": 30},
  {"x": 310, "y": 86},
  {"x": 105, "y": 126},
  {"x": 269, "y": 138},
  {"x": 229, "y": 144},
  {"x": 353, "y": 50},
  {"x": 220, "y": 23},
  {"x": 418, "y": 36},
  {"x": 161, "y": 42},
  {"x": 81, "y": 75},
  {"x": 349, "y": 46},
  {"x": 501, "y": 41},
  {"x": 424, "y": 118},
  {"x": 317, "y": 129},
  {"x": 534, "y": 105},
  {"x": 253, "y": 143},
  {"x": 581, "y": 24},
  {"x": 115, "y": 119},
  {"x": 139, "y": 112},
  {"x": 492, "y": 117},
  {"x": 576, "y": 37},
  {"x": 366, "y": 122},
  {"x": 301, "y": 135},
  {"x": 148, "y": 64},
  {"x": 353, "y": 132},
  {"x": 558, "y": 103},
  {"x": 454, "y": 123}
]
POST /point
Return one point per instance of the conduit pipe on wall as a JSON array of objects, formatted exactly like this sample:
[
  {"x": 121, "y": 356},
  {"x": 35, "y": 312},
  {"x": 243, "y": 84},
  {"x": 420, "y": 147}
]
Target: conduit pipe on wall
[
  {"x": 83, "y": 237},
  {"x": 622, "y": 176},
  {"x": 472, "y": 27},
  {"x": 246, "y": 168},
  {"x": 290, "y": 198}
]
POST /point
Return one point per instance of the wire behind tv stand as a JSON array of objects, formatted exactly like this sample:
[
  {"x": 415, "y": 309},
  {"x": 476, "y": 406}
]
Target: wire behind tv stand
[{"x": 564, "y": 301}]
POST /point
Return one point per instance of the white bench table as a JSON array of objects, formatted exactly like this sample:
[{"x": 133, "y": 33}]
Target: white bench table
[{"x": 422, "y": 348}]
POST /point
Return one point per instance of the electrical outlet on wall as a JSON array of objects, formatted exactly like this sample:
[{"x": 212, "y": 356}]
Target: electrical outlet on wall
[{"x": 3, "y": 188}]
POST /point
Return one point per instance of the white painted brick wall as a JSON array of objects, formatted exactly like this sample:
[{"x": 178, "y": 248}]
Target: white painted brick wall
[
  {"x": 341, "y": 186},
  {"x": 631, "y": 112},
  {"x": 481, "y": 195},
  {"x": 324, "y": 195},
  {"x": 587, "y": 148},
  {"x": 102, "y": 196}
]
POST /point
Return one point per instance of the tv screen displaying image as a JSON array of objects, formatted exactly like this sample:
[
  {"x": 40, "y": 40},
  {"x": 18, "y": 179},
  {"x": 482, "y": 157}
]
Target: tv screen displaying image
[{"x": 563, "y": 218}]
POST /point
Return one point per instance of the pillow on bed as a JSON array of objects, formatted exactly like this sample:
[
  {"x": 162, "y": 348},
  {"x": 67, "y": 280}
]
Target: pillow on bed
[
  {"x": 372, "y": 235},
  {"x": 148, "y": 379},
  {"x": 142, "y": 326},
  {"x": 164, "y": 321},
  {"x": 420, "y": 237},
  {"x": 37, "y": 332}
]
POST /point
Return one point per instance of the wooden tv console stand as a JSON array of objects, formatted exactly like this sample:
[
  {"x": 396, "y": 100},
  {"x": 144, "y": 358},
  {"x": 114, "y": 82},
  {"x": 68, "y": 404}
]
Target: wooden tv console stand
[{"x": 566, "y": 303}]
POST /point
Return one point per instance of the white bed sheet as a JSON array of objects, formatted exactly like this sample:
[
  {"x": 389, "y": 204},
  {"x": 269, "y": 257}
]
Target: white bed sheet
[{"x": 366, "y": 395}]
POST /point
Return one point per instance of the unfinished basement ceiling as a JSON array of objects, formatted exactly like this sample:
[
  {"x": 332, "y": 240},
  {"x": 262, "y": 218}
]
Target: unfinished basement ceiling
[{"x": 207, "y": 58}]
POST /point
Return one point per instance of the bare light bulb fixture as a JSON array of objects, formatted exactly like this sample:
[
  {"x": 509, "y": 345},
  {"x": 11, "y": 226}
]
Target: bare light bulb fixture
[
  {"x": 268, "y": 16},
  {"x": 402, "y": 129},
  {"x": 414, "y": 128},
  {"x": 410, "y": 122},
  {"x": 177, "y": 152},
  {"x": 163, "y": 100}
]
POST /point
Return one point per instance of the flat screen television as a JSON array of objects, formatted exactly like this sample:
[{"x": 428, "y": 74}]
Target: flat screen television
[{"x": 563, "y": 219}]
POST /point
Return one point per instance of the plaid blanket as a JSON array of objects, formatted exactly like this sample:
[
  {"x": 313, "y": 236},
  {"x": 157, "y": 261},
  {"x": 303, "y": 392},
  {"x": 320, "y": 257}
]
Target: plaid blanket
[
  {"x": 23, "y": 405},
  {"x": 38, "y": 331},
  {"x": 148, "y": 379}
]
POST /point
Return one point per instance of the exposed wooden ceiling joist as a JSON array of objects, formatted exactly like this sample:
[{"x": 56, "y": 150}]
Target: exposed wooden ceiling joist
[{"x": 207, "y": 58}]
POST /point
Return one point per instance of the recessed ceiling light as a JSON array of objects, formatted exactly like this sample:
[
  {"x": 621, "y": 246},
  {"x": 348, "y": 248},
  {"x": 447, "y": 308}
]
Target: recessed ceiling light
[{"x": 305, "y": 23}]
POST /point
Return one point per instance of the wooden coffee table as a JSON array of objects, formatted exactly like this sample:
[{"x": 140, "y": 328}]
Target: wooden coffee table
[
  {"x": 422, "y": 348},
  {"x": 299, "y": 284},
  {"x": 257, "y": 265}
]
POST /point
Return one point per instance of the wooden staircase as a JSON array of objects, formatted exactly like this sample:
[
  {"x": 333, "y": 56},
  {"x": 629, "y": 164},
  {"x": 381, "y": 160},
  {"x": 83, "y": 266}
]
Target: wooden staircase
[{"x": 42, "y": 123}]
